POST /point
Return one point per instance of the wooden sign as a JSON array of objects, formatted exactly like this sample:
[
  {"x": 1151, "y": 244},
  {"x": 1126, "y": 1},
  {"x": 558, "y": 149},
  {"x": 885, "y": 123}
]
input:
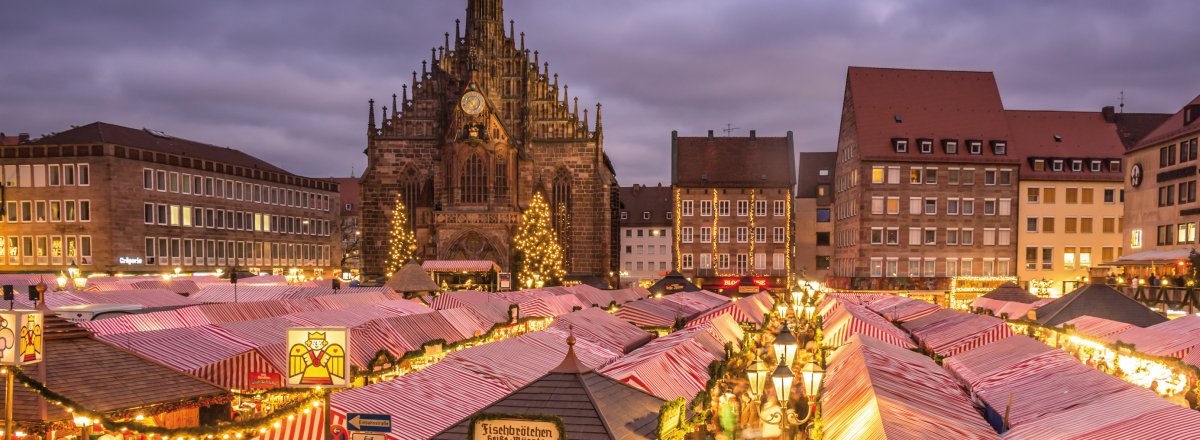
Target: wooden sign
[
  {"x": 502, "y": 428},
  {"x": 21, "y": 337},
  {"x": 317, "y": 357}
]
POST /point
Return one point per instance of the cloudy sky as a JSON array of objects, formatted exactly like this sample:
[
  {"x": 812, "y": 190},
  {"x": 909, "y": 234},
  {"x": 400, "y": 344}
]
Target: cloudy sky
[{"x": 288, "y": 81}]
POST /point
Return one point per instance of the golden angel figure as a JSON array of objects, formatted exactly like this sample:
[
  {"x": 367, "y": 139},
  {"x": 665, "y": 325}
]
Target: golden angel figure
[
  {"x": 31, "y": 333},
  {"x": 8, "y": 339},
  {"x": 317, "y": 361}
]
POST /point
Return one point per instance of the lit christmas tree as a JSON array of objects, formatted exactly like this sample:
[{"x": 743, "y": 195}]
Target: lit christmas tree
[
  {"x": 403, "y": 242},
  {"x": 541, "y": 258}
]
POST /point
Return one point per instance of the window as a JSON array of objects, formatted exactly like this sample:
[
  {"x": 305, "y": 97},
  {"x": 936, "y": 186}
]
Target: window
[
  {"x": 1004, "y": 207},
  {"x": 685, "y": 234},
  {"x": 1056, "y": 165},
  {"x": 1085, "y": 257},
  {"x": 951, "y": 146},
  {"x": 723, "y": 234},
  {"x": 900, "y": 145},
  {"x": 892, "y": 236},
  {"x": 893, "y": 205},
  {"x": 723, "y": 208},
  {"x": 931, "y": 206},
  {"x": 930, "y": 236},
  {"x": 1108, "y": 225},
  {"x": 1076, "y": 165},
  {"x": 1031, "y": 258},
  {"x": 1110, "y": 196},
  {"x": 999, "y": 148},
  {"x": 1095, "y": 166},
  {"x": 686, "y": 208},
  {"x": 951, "y": 236},
  {"x": 926, "y": 146},
  {"x": 778, "y": 236},
  {"x": 1048, "y": 195},
  {"x": 148, "y": 209},
  {"x": 706, "y": 208},
  {"x": 930, "y": 175},
  {"x": 760, "y": 208},
  {"x": 893, "y": 267},
  {"x": 876, "y": 267},
  {"x": 914, "y": 175},
  {"x": 741, "y": 234},
  {"x": 1071, "y": 225},
  {"x": 1072, "y": 195},
  {"x": 914, "y": 236},
  {"x": 70, "y": 207},
  {"x": 967, "y": 237},
  {"x": 1047, "y": 224},
  {"x": 1166, "y": 156},
  {"x": 645, "y": 215},
  {"x": 968, "y": 207},
  {"x": 989, "y": 177},
  {"x": 952, "y": 206},
  {"x": 723, "y": 261},
  {"x": 685, "y": 260},
  {"x": 1039, "y": 165},
  {"x": 877, "y": 205},
  {"x": 1114, "y": 166},
  {"x": 1003, "y": 237},
  {"x": 1005, "y": 177},
  {"x": 914, "y": 205},
  {"x": 989, "y": 237},
  {"x": 975, "y": 147},
  {"x": 952, "y": 176},
  {"x": 876, "y": 235},
  {"x": 85, "y": 210},
  {"x": 743, "y": 208},
  {"x": 967, "y": 176},
  {"x": 1031, "y": 195},
  {"x": 780, "y": 207},
  {"x": 893, "y": 176},
  {"x": 877, "y": 174},
  {"x": 914, "y": 267},
  {"x": 989, "y": 206},
  {"x": 1031, "y": 224},
  {"x": 1087, "y": 195},
  {"x": 1085, "y": 225},
  {"x": 822, "y": 215},
  {"x": 951, "y": 267},
  {"x": 705, "y": 235},
  {"x": 160, "y": 180}
]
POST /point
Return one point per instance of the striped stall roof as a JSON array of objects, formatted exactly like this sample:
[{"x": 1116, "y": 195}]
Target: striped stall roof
[
  {"x": 902, "y": 309},
  {"x": 670, "y": 367},
  {"x": 550, "y": 306},
  {"x": 1176, "y": 338},
  {"x": 982, "y": 362},
  {"x": 150, "y": 298},
  {"x": 875, "y": 390},
  {"x": 850, "y": 319},
  {"x": 208, "y": 352},
  {"x": 1097, "y": 327},
  {"x": 1132, "y": 413},
  {"x": 961, "y": 332},
  {"x": 604, "y": 329},
  {"x": 224, "y": 293}
]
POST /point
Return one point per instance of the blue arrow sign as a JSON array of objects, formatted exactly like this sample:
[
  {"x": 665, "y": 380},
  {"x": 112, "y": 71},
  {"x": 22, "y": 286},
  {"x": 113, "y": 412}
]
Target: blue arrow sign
[{"x": 369, "y": 422}]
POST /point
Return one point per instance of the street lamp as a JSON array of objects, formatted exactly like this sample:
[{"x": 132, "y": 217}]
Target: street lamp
[
  {"x": 812, "y": 374},
  {"x": 73, "y": 270},
  {"x": 785, "y": 345},
  {"x": 757, "y": 375}
]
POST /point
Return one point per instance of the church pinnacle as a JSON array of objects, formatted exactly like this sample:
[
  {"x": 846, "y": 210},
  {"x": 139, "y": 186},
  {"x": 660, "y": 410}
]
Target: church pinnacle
[{"x": 485, "y": 20}]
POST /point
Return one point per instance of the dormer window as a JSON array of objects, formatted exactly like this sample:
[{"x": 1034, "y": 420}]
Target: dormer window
[
  {"x": 1057, "y": 165},
  {"x": 645, "y": 215},
  {"x": 670, "y": 215},
  {"x": 926, "y": 146},
  {"x": 950, "y": 145},
  {"x": 624, "y": 215},
  {"x": 1076, "y": 165},
  {"x": 975, "y": 147},
  {"x": 1095, "y": 164},
  {"x": 1114, "y": 166},
  {"x": 999, "y": 148},
  {"x": 1039, "y": 165},
  {"x": 901, "y": 145}
]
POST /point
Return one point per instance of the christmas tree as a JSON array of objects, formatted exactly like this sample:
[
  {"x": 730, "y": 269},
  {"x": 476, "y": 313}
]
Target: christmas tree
[
  {"x": 403, "y": 242},
  {"x": 540, "y": 254}
]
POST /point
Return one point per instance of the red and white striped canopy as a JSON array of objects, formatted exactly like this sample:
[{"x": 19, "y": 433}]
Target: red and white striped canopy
[
  {"x": 850, "y": 319},
  {"x": 902, "y": 309},
  {"x": 1094, "y": 327},
  {"x": 669, "y": 367},
  {"x": 959, "y": 332}
]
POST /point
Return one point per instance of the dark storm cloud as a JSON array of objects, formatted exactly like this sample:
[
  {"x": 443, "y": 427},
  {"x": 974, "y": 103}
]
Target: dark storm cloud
[{"x": 288, "y": 81}]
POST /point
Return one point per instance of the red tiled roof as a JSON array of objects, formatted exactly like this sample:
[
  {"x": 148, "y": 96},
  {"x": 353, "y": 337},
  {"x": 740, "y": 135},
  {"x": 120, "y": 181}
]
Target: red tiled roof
[
  {"x": 1083, "y": 135},
  {"x": 655, "y": 199},
  {"x": 733, "y": 161},
  {"x": 1173, "y": 127},
  {"x": 1132, "y": 127},
  {"x": 102, "y": 132},
  {"x": 9, "y": 140},
  {"x": 930, "y": 104}
]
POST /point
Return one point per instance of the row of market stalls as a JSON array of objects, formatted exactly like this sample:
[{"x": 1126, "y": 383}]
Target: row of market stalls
[{"x": 1019, "y": 386}]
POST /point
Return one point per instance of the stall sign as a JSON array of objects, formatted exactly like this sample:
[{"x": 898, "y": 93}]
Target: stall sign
[
  {"x": 129, "y": 261},
  {"x": 514, "y": 429},
  {"x": 317, "y": 357},
  {"x": 263, "y": 380},
  {"x": 505, "y": 280},
  {"x": 21, "y": 338}
]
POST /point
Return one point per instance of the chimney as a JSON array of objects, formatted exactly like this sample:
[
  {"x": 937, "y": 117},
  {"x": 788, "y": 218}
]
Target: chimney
[
  {"x": 710, "y": 135},
  {"x": 22, "y": 138},
  {"x": 1110, "y": 114},
  {"x": 753, "y": 135}
]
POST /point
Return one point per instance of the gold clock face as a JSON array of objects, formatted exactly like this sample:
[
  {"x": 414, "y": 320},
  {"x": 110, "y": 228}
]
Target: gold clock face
[{"x": 472, "y": 103}]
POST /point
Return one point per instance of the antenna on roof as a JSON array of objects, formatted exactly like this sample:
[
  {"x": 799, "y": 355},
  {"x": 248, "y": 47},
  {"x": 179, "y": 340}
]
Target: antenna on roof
[
  {"x": 729, "y": 128},
  {"x": 1122, "y": 101}
]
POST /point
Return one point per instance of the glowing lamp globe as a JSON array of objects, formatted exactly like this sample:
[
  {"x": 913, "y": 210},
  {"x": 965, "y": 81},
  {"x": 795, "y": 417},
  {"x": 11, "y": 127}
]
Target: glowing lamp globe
[
  {"x": 757, "y": 375},
  {"x": 782, "y": 379},
  {"x": 785, "y": 346},
  {"x": 812, "y": 375}
]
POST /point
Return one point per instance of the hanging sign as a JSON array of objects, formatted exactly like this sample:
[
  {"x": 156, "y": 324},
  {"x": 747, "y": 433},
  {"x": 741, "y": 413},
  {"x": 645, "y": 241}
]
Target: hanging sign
[
  {"x": 317, "y": 357},
  {"x": 486, "y": 427},
  {"x": 21, "y": 341}
]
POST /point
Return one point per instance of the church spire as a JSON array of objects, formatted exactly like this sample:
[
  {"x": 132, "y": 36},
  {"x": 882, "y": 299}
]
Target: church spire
[
  {"x": 485, "y": 20},
  {"x": 371, "y": 118}
]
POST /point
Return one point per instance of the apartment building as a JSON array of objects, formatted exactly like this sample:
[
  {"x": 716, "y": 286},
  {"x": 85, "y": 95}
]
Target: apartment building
[
  {"x": 734, "y": 216},
  {"x": 925, "y": 184},
  {"x": 116, "y": 199},
  {"x": 647, "y": 220},
  {"x": 814, "y": 219}
]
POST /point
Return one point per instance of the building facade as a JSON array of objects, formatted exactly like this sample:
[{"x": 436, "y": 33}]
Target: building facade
[
  {"x": 350, "y": 259},
  {"x": 1071, "y": 202},
  {"x": 486, "y": 127},
  {"x": 115, "y": 199},
  {"x": 925, "y": 185},
  {"x": 814, "y": 222},
  {"x": 647, "y": 221},
  {"x": 733, "y": 213},
  {"x": 1161, "y": 211}
]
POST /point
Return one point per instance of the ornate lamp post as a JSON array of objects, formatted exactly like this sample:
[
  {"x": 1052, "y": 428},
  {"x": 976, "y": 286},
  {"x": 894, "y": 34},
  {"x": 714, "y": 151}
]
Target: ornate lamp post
[
  {"x": 785, "y": 346},
  {"x": 757, "y": 376}
]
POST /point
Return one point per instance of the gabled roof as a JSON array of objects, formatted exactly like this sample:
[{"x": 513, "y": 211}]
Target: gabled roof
[
  {"x": 102, "y": 132},
  {"x": 1133, "y": 127},
  {"x": 592, "y": 406},
  {"x": 82, "y": 369},
  {"x": 1064, "y": 135},
  {"x": 1011, "y": 292},
  {"x": 811, "y": 165},
  {"x": 672, "y": 278},
  {"x": 412, "y": 278},
  {"x": 1100, "y": 301},
  {"x": 929, "y": 104},
  {"x": 637, "y": 199},
  {"x": 1171, "y": 128},
  {"x": 716, "y": 161}
]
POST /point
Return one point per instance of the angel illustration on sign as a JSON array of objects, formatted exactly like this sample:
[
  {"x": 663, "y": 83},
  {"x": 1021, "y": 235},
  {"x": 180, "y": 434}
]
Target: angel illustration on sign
[
  {"x": 8, "y": 339},
  {"x": 317, "y": 361},
  {"x": 31, "y": 347}
]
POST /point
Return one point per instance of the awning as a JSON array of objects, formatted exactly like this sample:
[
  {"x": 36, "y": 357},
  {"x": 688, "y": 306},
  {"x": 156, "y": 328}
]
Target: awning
[
  {"x": 1151, "y": 257},
  {"x": 460, "y": 266}
]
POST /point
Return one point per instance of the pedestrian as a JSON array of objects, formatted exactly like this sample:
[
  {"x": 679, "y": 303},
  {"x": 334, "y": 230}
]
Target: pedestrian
[{"x": 1153, "y": 280}]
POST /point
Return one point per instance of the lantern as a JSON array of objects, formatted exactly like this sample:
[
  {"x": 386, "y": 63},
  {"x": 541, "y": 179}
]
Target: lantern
[
  {"x": 808, "y": 312},
  {"x": 781, "y": 309},
  {"x": 757, "y": 375},
  {"x": 24, "y": 330},
  {"x": 812, "y": 374},
  {"x": 73, "y": 270},
  {"x": 797, "y": 297},
  {"x": 782, "y": 378},
  {"x": 785, "y": 346},
  {"x": 62, "y": 282}
]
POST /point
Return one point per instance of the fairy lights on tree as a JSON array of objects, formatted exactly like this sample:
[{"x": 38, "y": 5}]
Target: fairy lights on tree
[
  {"x": 403, "y": 242},
  {"x": 541, "y": 257}
]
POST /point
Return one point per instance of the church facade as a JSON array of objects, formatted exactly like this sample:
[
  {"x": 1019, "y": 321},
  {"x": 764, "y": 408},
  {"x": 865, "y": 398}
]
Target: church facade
[{"x": 485, "y": 128}]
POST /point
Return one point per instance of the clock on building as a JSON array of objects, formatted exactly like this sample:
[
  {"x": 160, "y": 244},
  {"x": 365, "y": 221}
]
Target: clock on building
[
  {"x": 472, "y": 103},
  {"x": 1135, "y": 175}
]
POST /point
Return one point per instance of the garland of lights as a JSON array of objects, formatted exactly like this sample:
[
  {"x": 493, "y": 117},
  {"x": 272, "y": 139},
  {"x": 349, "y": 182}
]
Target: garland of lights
[
  {"x": 226, "y": 431},
  {"x": 403, "y": 242},
  {"x": 678, "y": 232},
  {"x": 714, "y": 236},
  {"x": 542, "y": 257},
  {"x": 788, "y": 245},
  {"x": 752, "y": 235}
]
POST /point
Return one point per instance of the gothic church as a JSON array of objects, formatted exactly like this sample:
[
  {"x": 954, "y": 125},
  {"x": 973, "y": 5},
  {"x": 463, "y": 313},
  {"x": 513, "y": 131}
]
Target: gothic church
[{"x": 486, "y": 127}]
